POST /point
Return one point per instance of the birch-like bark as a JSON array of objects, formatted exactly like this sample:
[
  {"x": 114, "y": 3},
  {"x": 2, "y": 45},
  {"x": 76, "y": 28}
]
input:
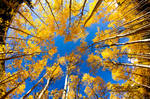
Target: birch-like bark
[
  {"x": 48, "y": 82},
  {"x": 140, "y": 57},
  {"x": 65, "y": 88},
  {"x": 130, "y": 64},
  {"x": 68, "y": 88},
  {"x": 45, "y": 88},
  {"x": 136, "y": 19},
  {"x": 127, "y": 43},
  {"x": 140, "y": 84},
  {"x": 122, "y": 35}
]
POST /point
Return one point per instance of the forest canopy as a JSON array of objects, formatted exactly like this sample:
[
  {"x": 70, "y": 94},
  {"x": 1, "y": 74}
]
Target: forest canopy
[{"x": 74, "y": 49}]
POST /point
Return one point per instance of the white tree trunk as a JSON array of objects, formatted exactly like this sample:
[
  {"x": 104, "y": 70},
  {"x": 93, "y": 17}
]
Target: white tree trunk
[
  {"x": 65, "y": 87},
  {"x": 43, "y": 90}
]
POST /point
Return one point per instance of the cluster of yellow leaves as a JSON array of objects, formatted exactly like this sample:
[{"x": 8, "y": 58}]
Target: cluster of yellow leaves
[
  {"x": 76, "y": 7},
  {"x": 94, "y": 85},
  {"x": 37, "y": 68},
  {"x": 119, "y": 73},
  {"x": 109, "y": 53},
  {"x": 20, "y": 89},
  {"x": 52, "y": 51},
  {"x": 73, "y": 86},
  {"x": 77, "y": 32},
  {"x": 55, "y": 71},
  {"x": 2, "y": 47},
  {"x": 111, "y": 24},
  {"x": 73, "y": 57},
  {"x": 94, "y": 62},
  {"x": 74, "y": 80},
  {"x": 141, "y": 79},
  {"x": 62, "y": 60},
  {"x": 97, "y": 37},
  {"x": 57, "y": 5},
  {"x": 112, "y": 96},
  {"x": 33, "y": 47},
  {"x": 87, "y": 78},
  {"x": 24, "y": 74},
  {"x": 3, "y": 76},
  {"x": 30, "y": 97},
  {"x": 56, "y": 93},
  {"x": 94, "y": 58},
  {"x": 1, "y": 20}
]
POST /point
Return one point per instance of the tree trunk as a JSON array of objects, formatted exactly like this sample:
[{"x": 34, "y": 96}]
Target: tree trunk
[
  {"x": 45, "y": 88},
  {"x": 65, "y": 87}
]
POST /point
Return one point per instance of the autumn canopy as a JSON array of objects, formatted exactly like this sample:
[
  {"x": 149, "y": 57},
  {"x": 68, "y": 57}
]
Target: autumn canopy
[{"x": 74, "y": 49}]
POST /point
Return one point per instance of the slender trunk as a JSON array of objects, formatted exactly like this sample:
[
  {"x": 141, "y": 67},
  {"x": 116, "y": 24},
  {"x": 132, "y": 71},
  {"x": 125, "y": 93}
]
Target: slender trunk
[
  {"x": 43, "y": 7},
  {"x": 70, "y": 3},
  {"x": 17, "y": 52},
  {"x": 65, "y": 88},
  {"x": 136, "y": 19},
  {"x": 51, "y": 78},
  {"x": 94, "y": 92},
  {"x": 111, "y": 4},
  {"x": 131, "y": 10},
  {"x": 140, "y": 84},
  {"x": 4, "y": 82},
  {"x": 18, "y": 38},
  {"x": 62, "y": 1},
  {"x": 127, "y": 43},
  {"x": 116, "y": 31},
  {"x": 13, "y": 57},
  {"x": 16, "y": 73},
  {"x": 135, "y": 65},
  {"x": 130, "y": 64},
  {"x": 139, "y": 57},
  {"x": 78, "y": 89},
  {"x": 20, "y": 56},
  {"x": 27, "y": 20},
  {"x": 11, "y": 90},
  {"x": 82, "y": 11},
  {"x": 8, "y": 4},
  {"x": 24, "y": 32},
  {"x": 94, "y": 10},
  {"x": 45, "y": 88},
  {"x": 137, "y": 54},
  {"x": 68, "y": 88},
  {"x": 37, "y": 15},
  {"x": 123, "y": 35},
  {"x": 33, "y": 87},
  {"x": 52, "y": 13}
]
